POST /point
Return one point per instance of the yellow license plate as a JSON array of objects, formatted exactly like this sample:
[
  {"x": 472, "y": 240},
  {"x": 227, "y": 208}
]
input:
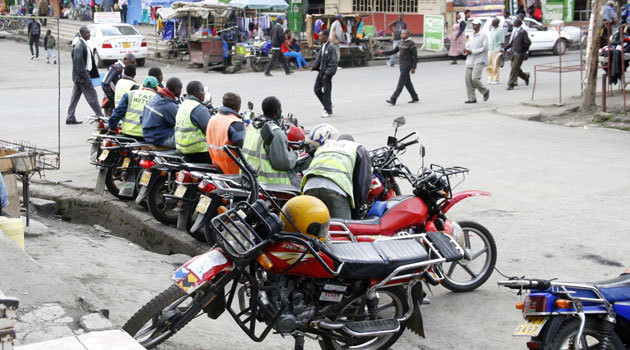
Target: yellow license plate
[
  {"x": 531, "y": 326},
  {"x": 146, "y": 176},
  {"x": 126, "y": 45},
  {"x": 202, "y": 206},
  {"x": 103, "y": 155},
  {"x": 125, "y": 163},
  {"x": 180, "y": 191}
]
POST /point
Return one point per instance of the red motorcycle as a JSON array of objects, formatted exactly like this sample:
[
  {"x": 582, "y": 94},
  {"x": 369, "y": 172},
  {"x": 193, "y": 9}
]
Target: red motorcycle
[
  {"x": 361, "y": 295},
  {"x": 424, "y": 211}
]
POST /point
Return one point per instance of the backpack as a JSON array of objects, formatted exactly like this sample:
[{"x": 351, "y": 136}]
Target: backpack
[
  {"x": 35, "y": 28},
  {"x": 537, "y": 14}
]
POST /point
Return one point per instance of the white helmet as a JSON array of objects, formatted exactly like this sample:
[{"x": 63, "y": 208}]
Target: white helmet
[{"x": 321, "y": 133}]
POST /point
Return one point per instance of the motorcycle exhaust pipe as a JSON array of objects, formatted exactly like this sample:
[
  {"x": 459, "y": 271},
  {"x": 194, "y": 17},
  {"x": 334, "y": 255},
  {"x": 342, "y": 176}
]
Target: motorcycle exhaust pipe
[{"x": 100, "y": 181}]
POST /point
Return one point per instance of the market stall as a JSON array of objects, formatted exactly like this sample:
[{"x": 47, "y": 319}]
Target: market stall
[{"x": 355, "y": 52}]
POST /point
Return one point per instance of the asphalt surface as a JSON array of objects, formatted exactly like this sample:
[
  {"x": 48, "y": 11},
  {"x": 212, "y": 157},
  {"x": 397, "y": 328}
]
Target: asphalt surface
[{"x": 560, "y": 195}]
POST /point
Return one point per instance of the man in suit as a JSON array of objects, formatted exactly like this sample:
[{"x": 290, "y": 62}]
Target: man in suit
[
  {"x": 326, "y": 64},
  {"x": 519, "y": 45},
  {"x": 83, "y": 70}
]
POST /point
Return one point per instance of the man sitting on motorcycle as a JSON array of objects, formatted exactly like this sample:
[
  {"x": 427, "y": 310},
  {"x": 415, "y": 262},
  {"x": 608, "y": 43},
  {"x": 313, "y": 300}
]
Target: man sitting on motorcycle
[
  {"x": 340, "y": 173},
  {"x": 191, "y": 123},
  {"x": 158, "y": 117},
  {"x": 266, "y": 147},
  {"x": 130, "y": 110},
  {"x": 111, "y": 78},
  {"x": 125, "y": 84},
  {"x": 226, "y": 128}
]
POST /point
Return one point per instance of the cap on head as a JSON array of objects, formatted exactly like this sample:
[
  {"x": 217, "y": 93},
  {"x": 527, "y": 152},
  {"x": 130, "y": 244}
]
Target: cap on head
[
  {"x": 345, "y": 137},
  {"x": 339, "y": 17},
  {"x": 150, "y": 82},
  {"x": 476, "y": 21}
]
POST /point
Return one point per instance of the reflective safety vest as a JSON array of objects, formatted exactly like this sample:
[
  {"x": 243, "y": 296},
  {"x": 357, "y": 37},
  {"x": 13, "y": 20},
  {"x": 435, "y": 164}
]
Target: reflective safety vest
[
  {"x": 217, "y": 137},
  {"x": 335, "y": 161},
  {"x": 188, "y": 138},
  {"x": 123, "y": 86},
  {"x": 256, "y": 155},
  {"x": 137, "y": 99}
]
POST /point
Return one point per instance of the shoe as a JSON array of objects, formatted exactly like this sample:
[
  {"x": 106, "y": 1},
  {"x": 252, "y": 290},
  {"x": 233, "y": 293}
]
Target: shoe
[
  {"x": 510, "y": 87},
  {"x": 33, "y": 57},
  {"x": 55, "y": 62},
  {"x": 47, "y": 62},
  {"x": 326, "y": 115},
  {"x": 268, "y": 75},
  {"x": 454, "y": 62},
  {"x": 486, "y": 96},
  {"x": 415, "y": 100},
  {"x": 289, "y": 72},
  {"x": 338, "y": 68},
  {"x": 391, "y": 102},
  {"x": 73, "y": 122},
  {"x": 390, "y": 64},
  {"x": 475, "y": 101},
  {"x": 527, "y": 80}
]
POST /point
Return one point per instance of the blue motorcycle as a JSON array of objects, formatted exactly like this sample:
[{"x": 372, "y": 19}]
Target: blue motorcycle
[{"x": 575, "y": 316}]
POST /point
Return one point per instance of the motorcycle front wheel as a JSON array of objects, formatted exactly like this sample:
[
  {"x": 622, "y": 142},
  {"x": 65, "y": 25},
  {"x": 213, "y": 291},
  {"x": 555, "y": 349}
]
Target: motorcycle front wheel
[
  {"x": 258, "y": 64},
  {"x": 591, "y": 336}
]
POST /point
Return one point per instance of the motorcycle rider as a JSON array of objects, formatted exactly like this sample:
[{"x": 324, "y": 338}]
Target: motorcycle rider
[
  {"x": 158, "y": 117},
  {"x": 340, "y": 173},
  {"x": 191, "y": 123},
  {"x": 125, "y": 84},
  {"x": 226, "y": 128},
  {"x": 157, "y": 73},
  {"x": 111, "y": 78},
  {"x": 266, "y": 147},
  {"x": 131, "y": 107}
]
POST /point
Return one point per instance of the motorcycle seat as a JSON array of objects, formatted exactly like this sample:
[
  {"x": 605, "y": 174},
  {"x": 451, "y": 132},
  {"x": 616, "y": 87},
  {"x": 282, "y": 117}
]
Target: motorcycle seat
[
  {"x": 202, "y": 167},
  {"x": 616, "y": 289},
  {"x": 280, "y": 188},
  {"x": 367, "y": 260},
  {"x": 170, "y": 152}
]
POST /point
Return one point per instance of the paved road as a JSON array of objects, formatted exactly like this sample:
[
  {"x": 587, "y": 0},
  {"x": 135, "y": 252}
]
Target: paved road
[{"x": 560, "y": 194}]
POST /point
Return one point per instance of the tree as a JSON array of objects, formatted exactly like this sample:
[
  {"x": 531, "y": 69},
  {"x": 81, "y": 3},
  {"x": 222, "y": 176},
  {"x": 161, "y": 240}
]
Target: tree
[{"x": 589, "y": 85}]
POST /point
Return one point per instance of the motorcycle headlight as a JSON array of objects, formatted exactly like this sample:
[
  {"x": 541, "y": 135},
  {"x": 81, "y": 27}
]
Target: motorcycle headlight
[{"x": 458, "y": 234}]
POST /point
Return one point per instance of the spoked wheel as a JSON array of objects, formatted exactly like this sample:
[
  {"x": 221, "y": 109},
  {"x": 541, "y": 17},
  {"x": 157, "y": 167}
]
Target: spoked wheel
[
  {"x": 392, "y": 303},
  {"x": 469, "y": 273},
  {"x": 257, "y": 64},
  {"x": 153, "y": 323},
  {"x": 114, "y": 179},
  {"x": 591, "y": 338},
  {"x": 161, "y": 208}
]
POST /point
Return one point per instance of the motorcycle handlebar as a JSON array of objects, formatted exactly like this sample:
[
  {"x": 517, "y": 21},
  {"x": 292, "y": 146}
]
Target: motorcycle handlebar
[
  {"x": 537, "y": 284},
  {"x": 406, "y": 137},
  {"x": 402, "y": 146},
  {"x": 246, "y": 168}
]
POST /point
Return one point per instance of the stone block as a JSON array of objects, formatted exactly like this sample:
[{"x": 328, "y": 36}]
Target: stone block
[
  {"x": 45, "y": 206},
  {"x": 95, "y": 322}
]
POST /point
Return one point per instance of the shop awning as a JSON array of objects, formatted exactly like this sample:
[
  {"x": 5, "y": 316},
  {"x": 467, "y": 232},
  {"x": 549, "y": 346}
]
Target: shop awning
[
  {"x": 276, "y": 5},
  {"x": 180, "y": 9}
]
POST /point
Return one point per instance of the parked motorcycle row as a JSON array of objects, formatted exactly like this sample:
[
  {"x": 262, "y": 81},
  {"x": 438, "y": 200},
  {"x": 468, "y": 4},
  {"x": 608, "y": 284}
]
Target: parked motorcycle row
[{"x": 360, "y": 283}]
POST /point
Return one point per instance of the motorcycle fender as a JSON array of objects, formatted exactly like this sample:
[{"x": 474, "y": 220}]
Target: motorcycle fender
[
  {"x": 100, "y": 181},
  {"x": 201, "y": 269},
  {"x": 414, "y": 323},
  {"x": 551, "y": 328},
  {"x": 142, "y": 194},
  {"x": 199, "y": 223},
  {"x": 459, "y": 196}
]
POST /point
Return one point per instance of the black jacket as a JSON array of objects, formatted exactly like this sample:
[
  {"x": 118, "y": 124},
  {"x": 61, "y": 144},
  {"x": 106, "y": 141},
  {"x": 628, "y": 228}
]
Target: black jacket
[
  {"x": 277, "y": 35},
  {"x": 361, "y": 179},
  {"x": 328, "y": 63},
  {"x": 521, "y": 43},
  {"x": 79, "y": 60},
  {"x": 408, "y": 53}
]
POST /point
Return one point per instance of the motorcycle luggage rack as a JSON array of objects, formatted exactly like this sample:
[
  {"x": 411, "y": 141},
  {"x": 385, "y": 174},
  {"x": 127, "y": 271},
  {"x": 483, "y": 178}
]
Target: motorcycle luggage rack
[{"x": 448, "y": 173}]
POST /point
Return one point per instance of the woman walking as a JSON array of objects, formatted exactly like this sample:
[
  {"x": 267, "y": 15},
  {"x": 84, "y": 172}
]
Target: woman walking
[{"x": 458, "y": 38}]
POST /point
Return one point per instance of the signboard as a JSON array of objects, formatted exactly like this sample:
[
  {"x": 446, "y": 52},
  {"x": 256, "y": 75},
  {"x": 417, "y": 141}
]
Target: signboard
[
  {"x": 106, "y": 17},
  {"x": 430, "y": 7},
  {"x": 295, "y": 16},
  {"x": 569, "y": 7},
  {"x": 553, "y": 11},
  {"x": 433, "y": 32}
]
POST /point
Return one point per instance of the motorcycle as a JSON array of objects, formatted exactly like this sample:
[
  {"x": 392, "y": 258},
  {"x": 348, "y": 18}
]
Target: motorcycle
[
  {"x": 349, "y": 294},
  {"x": 259, "y": 55},
  {"x": 560, "y": 315},
  {"x": 424, "y": 211}
]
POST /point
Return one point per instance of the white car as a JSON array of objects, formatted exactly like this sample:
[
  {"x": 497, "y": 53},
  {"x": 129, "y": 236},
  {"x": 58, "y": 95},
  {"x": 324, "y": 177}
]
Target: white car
[{"x": 112, "y": 41}]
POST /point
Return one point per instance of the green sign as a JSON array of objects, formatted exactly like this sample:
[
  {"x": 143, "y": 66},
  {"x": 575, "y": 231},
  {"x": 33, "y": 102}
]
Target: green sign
[
  {"x": 295, "y": 16},
  {"x": 433, "y": 32},
  {"x": 553, "y": 11},
  {"x": 569, "y": 7}
]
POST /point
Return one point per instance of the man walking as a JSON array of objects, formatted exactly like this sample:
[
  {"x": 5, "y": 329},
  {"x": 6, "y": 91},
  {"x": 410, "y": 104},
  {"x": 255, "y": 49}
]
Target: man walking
[
  {"x": 519, "y": 44},
  {"x": 277, "y": 39},
  {"x": 497, "y": 38},
  {"x": 477, "y": 52},
  {"x": 326, "y": 64},
  {"x": 34, "y": 30},
  {"x": 396, "y": 27},
  {"x": 407, "y": 62},
  {"x": 42, "y": 9},
  {"x": 336, "y": 35},
  {"x": 83, "y": 69},
  {"x": 123, "y": 10}
]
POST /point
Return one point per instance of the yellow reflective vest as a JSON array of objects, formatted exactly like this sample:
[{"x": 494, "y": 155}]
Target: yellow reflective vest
[
  {"x": 137, "y": 99},
  {"x": 256, "y": 155},
  {"x": 123, "y": 86},
  {"x": 188, "y": 137}
]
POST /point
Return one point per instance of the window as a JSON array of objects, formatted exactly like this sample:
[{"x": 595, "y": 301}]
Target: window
[
  {"x": 119, "y": 30},
  {"x": 394, "y": 6}
]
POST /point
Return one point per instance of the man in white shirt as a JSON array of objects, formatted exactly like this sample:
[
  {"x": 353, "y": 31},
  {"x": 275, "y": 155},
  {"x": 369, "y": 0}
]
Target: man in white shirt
[
  {"x": 336, "y": 35},
  {"x": 477, "y": 52}
]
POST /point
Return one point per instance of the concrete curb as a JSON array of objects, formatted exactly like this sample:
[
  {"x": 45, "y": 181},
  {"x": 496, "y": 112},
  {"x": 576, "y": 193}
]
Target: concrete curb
[{"x": 121, "y": 218}]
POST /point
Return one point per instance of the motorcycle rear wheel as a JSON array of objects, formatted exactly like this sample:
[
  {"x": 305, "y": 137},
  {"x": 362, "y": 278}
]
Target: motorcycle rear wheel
[
  {"x": 159, "y": 207},
  {"x": 257, "y": 64},
  {"x": 591, "y": 338},
  {"x": 114, "y": 179}
]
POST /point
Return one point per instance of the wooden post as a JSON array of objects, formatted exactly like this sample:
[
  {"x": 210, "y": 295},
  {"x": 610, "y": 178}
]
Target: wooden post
[{"x": 589, "y": 85}]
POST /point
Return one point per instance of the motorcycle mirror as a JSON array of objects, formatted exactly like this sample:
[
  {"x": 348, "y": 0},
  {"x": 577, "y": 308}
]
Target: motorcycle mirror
[
  {"x": 391, "y": 141},
  {"x": 422, "y": 151},
  {"x": 250, "y": 105},
  {"x": 398, "y": 122}
]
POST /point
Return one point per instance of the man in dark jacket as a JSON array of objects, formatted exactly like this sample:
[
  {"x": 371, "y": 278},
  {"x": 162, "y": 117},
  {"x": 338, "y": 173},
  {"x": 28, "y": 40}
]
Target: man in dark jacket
[
  {"x": 277, "y": 38},
  {"x": 111, "y": 78},
  {"x": 519, "y": 44},
  {"x": 83, "y": 69},
  {"x": 408, "y": 59},
  {"x": 326, "y": 63},
  {"x": 34, "y": 30},
  {"x": 158, "y": 117}
]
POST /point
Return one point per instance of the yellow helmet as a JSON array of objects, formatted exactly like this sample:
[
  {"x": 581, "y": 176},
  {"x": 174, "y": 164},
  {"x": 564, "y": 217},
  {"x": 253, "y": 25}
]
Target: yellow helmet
[{"x": 309, "y": 214}]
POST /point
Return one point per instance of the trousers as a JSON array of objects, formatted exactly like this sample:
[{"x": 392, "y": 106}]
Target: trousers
[
  {"x": 275, "y": 57},
  {"x": 299, "y": 59},
  {"x": 404, "y": 81},
  {"x": 338, "y": 205},
  {"x": 323, "y": 90},
  {"x": 83, "y": 88},
  {"x": 33, "y": 40},
  {"x": 473, "y": 80},
  {"x": 517, "y": 72},
  {"x": 493, "y": 65}
]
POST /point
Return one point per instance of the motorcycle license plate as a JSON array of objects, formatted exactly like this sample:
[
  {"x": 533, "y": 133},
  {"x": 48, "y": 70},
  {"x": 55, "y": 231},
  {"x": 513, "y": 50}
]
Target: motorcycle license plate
[
  {"x": 202, "y": 206},
  {"x": 126, "y": 45},
  {"x": 180, "y": 191},
  {"x": 103, "y": 155},
  {"x": 126, "y": 162},
  {"x": 531, "y": 327},
  {"x": 146, "y": 176}
]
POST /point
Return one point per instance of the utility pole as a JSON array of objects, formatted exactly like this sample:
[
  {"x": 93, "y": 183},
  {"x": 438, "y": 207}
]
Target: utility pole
[{"x": 589, "y": 85}]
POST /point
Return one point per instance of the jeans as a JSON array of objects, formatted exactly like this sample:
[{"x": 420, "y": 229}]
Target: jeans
[
  {"x": 169, "y": 142},
  {"x": 473, "y": 81},
  {"x": 277, "y": 56},
  {"x": 338, "y": 205},
  {"x": 392, "y": 58},
  {"x": 123, "y": 13},
  {"x": 404, "y": 81},
  {"x": 83, "y": 88},
  {"x": 34, "y": 40},
  {"x": 323, "y": 90},
  {"x": 4, "y": 194},
  {"x": 301, "y": 62}
]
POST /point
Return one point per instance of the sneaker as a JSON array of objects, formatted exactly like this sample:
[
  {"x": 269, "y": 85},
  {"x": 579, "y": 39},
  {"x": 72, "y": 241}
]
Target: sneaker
[
  {"x": 390, "y": 64},
  {"x": 326, "y": 115},
  {"x": 47, "y": 62},
  {"x": 33, "y": 57},
  {"x": 486, "y": 96},
  {"x": 391, "y": 102},
  {"x": 268, "y": 75}
]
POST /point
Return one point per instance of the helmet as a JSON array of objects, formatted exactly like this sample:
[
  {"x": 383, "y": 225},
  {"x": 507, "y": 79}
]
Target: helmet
[
  {"x": 295, "y": 134},
  {"x": 309, "y": 214},
  {"x": 321, "y": 133}
]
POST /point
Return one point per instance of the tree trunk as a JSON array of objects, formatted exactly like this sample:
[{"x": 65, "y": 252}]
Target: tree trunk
[{"x": 592, "y": 48}]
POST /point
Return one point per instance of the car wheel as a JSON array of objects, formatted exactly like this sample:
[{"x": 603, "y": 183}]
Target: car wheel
[
  {"x": 140, "y": 62},
  {"x": 99, "y": 62},
  {"x": 560, "y": 47}
]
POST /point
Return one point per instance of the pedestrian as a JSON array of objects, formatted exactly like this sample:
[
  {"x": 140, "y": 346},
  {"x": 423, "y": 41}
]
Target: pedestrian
[
  {"x": 537, "y": 13},
  {"x": 609, "y": 12},
  {"x": 518, "y": 46},
  {"x": 336, "y": 35},
  {"x": 123, "y": 10},
  {"x": 396, "y": 27},
  {"x": 407, "y": 61},
  {"x": 326, "y": 64},
  {"x": 277, "y": 38},
  {"x": 290, "y": 53},
  {"x": 42, "y": 7},
  {"x": 107, "y": 5},
  {"x": 33, "y": 32},
  {"x": 83, "y": 70},
  {"x": 495, "y": 50},
  {"x": 158, "y": 117},
  {"x": 477, "y": 58},
  {"x": 458, "y": 38},
  {"x": 4, "y": 197},
  {"x": 226, "y": 128},
  {"x": 191, "y": 123},
  {"x": 49, "y": 45},
  {"x": 29, "y": 7}
]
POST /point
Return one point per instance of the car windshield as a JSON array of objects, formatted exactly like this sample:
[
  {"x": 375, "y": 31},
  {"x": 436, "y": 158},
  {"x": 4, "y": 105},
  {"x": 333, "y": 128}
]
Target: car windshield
[{"x": 119, "y": 30}]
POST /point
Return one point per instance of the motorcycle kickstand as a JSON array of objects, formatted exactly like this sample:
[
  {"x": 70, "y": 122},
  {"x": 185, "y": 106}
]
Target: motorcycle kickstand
[{"x": 299, "y": 342}]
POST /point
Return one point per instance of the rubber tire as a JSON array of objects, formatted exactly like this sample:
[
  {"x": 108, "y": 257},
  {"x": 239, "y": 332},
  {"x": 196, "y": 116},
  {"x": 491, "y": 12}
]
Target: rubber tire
[
  {"x": 152, "y": 202},
  {"x": 257, "y": 65},
  {"x": 592, "y": 328},
  {"x": 100, "y": 63},
  {"x": 152, "y": 308},
  {"x": 493, "y": 260},
  {"x": 565, "y": 45},
  {"x": 328, "y": 344},
  {"x": 109, "y": 181},
  {"x": 140, "y": 62}
]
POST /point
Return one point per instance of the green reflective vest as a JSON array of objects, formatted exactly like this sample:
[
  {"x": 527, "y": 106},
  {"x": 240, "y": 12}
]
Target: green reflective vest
[
  {"x": 188, "y": 138},
  {"x": 137, "y": 99},
  {"x": 123, "y": 86},
  {"x": 256, "y": 155},
  {"x": 335, "y": 160}
]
